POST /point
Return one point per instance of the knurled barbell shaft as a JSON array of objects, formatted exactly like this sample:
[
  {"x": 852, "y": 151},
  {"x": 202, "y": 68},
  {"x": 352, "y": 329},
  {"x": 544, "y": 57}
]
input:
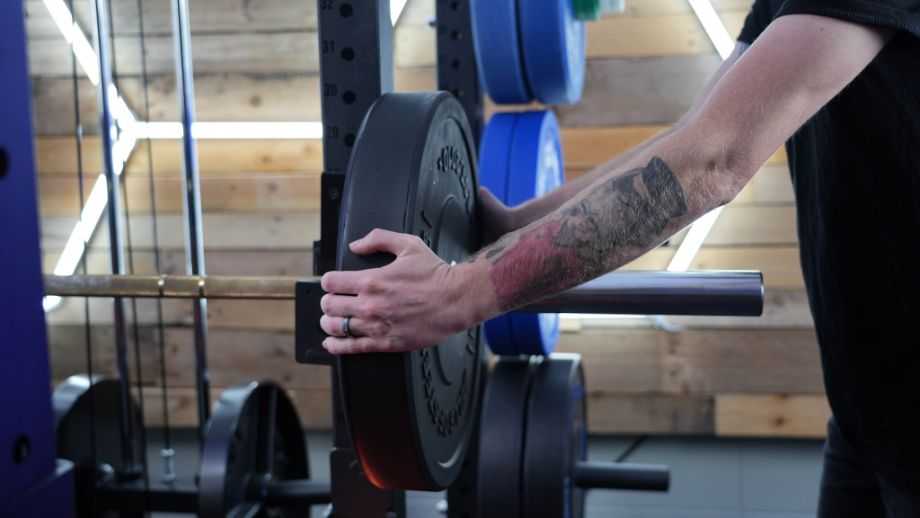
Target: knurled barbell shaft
[
  {"x": 643, "y": 293},
  {"x": 173, "y": 286}
]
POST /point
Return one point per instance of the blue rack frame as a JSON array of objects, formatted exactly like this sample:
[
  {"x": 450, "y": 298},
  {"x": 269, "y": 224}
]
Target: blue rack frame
[{"x": 32, "y": 481}]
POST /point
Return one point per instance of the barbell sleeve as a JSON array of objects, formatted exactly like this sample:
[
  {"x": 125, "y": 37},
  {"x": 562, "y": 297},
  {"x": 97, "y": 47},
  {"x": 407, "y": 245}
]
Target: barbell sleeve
[
  {"x": 619, "y": 475},
  {"x": 727, "y": 293},
  {"x": 710, "y": 293}
]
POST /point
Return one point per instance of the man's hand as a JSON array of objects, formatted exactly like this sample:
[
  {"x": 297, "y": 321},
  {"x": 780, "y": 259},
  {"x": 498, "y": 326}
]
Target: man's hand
[{"x": 416, "y": 301}]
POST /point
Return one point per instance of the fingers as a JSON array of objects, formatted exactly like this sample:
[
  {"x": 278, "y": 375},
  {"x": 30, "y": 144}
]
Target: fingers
[
  {"x": 335, "y": 326},
  {"x": 348, "y": 283},
  {"x": 379, "y": 240},
  {"x": 353, "y": 345},
  {"x": 340, "y": 305}
]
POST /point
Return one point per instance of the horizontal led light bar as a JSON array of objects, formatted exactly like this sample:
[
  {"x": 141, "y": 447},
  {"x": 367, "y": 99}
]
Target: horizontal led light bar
[
  {"x": 698, "y": 232},
  {"x": 228, "y": 130}
]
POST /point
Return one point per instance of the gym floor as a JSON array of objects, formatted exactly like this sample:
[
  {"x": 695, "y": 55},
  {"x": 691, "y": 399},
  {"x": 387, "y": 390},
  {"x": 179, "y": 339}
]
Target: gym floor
[{"x": 710, "y": 478}]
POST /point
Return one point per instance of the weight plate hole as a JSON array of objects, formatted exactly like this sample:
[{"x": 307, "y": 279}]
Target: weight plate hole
[
  {"x": 349, "y": 97},
  {"x": 22, "y": 449},
  {"x": 4, "y": 163},
  {"x": 348, "y": 53},
  {"x": 346, "y": 10}
]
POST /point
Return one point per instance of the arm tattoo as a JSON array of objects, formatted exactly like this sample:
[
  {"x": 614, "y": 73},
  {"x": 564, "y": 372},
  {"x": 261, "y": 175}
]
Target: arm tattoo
[{"x": 591, "y": 234}]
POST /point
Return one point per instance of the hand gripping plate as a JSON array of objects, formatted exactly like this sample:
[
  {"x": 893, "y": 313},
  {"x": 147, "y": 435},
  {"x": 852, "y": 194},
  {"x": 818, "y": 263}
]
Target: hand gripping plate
[{"x": 412, "y": 170}]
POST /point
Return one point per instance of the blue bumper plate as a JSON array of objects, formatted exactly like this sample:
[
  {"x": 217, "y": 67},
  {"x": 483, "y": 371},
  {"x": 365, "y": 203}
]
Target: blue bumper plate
[
  {"x": 553, "y": 44},
  {"x": 521, "y": 159},
  {"x": 498, "y": 51}
]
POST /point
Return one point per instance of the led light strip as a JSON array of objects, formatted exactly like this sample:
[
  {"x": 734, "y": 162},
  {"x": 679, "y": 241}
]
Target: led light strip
[
  {"x": 715, "y": 29},
  {"x": 700, "y": 229},
  {"x": 396, "y": 10},
  {"x": 229, "y": 130}
]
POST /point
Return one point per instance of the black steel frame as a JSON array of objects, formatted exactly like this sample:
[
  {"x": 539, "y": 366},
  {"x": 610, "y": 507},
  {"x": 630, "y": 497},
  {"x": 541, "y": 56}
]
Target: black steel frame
[{"x": 356, "y": 67}]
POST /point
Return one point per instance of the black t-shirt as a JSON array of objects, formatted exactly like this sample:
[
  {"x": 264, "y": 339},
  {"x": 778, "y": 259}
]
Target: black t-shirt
[{"x": 856, "y": 171}]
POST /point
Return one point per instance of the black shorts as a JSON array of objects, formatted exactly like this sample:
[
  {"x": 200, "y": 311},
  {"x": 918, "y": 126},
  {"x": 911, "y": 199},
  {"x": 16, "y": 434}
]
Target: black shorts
[{"x": 850, "y": 489}]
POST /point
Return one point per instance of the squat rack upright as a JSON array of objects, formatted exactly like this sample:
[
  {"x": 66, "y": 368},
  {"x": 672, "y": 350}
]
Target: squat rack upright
[{"x": 356, "y": 67}]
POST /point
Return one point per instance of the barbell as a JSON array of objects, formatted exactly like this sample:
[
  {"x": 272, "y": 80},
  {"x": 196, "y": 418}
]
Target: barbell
[{"x": 712, "y": 293}]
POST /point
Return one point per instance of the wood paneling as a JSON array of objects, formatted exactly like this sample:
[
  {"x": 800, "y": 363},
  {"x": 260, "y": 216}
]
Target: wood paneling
[
  {"x": 221, "y": 231},
  {"x": 313, "y": 406},
  {"x": 698, "y": 361},
  {"x": 584, "y": 148},
  {"x": 640, "y": 382},
  {"x": 612, "y": 37},
  {"x": 660, "y": 7},
  {"x": 256, "y": 52},
  {"x": 650, "y": 414},
  {"x": 649, "y": 361},
  {"x": 639, "y": 91},
  {"x": 57, "y": 155},
  {"x": 771, "y": 415},
  {"x": 299, "y": 191},
  {"x": 214, "y": 16},
  {"x": 218, "y": 97},
  {"x": 239, "y": 193},
  {"x": 588, "y": 147},
  {"x": 739, "y": 226}
]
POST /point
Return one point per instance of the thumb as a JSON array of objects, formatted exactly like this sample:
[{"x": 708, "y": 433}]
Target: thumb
[{"x": 379, "y": 240}]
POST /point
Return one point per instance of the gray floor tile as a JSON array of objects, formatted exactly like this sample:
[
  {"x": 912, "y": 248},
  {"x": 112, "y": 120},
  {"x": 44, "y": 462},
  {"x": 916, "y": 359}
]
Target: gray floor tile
[
  {"x": 775, "y": 514},
  {"x": 612, "y": 511},
  {"x": 780, "y": 475},
  {"x": 710, "y": 478},
  {"x": 704, "y": 473}
]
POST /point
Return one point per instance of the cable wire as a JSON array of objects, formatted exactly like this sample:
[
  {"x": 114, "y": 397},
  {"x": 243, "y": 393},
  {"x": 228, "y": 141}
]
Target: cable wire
[
  {"x": 135, "y": 326},
  {"x": 87, "y": 328},
  {"x": 161, "y": 346}
]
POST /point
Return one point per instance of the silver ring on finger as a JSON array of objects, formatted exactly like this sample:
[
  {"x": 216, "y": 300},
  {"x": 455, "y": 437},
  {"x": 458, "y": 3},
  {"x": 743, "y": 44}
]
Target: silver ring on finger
[{"x": 346, "y": 327}]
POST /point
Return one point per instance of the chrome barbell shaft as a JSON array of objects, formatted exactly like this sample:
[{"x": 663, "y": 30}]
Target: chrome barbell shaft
[{"x": 730, "y": 293}]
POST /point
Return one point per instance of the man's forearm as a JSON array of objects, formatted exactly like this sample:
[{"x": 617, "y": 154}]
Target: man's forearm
[
  {"x": 539, "y": 207},
  {"x": 618, "y": 218}
]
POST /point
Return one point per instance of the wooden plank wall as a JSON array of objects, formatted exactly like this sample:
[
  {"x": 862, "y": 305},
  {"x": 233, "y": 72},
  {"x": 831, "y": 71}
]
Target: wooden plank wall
[{"x": 255, "y": 60}]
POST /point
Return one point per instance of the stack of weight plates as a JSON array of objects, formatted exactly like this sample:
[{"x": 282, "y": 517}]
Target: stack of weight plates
[
  {"x": 521, "y": 158},
  {"x": 530, "y": 49}
]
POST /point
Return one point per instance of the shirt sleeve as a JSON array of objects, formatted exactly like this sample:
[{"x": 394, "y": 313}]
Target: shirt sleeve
[
  {"x": 903, "y": 15},
  {"x": 758, "y": 18}
]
